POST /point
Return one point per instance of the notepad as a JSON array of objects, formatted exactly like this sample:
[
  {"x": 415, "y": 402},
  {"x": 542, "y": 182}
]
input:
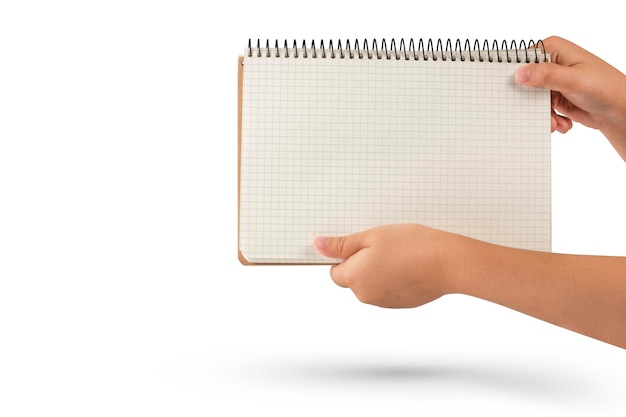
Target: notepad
[{"x": 337, "y": 139}]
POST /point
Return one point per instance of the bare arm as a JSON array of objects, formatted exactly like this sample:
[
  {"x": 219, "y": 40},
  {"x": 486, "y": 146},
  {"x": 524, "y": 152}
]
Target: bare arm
[
  {"x": 586, "y": 294},
  {"x": 407, "y": 265}
]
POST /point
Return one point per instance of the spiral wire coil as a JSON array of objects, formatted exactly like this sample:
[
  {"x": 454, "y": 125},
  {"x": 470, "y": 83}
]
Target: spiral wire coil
[{"x": 525, "y": 52}]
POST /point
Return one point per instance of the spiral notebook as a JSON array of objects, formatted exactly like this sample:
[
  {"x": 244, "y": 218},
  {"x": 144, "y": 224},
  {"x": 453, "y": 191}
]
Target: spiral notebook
[{"x": 339, "y": 138}]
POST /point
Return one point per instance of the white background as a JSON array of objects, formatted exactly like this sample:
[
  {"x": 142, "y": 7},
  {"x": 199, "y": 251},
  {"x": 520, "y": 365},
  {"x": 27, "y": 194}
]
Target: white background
[{"x": 120, "y": 289}]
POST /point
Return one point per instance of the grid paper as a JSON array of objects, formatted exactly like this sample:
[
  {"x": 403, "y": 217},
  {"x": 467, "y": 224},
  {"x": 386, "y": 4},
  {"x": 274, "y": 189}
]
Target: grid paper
[{"x": 332, "y": 146}]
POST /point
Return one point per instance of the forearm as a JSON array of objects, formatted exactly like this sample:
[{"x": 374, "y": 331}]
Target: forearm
[{"x": 586, "y": 294}]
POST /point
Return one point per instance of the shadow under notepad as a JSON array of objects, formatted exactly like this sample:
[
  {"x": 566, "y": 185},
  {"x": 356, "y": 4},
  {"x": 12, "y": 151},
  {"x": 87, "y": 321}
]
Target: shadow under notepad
[{"x": 538, "y": 381}]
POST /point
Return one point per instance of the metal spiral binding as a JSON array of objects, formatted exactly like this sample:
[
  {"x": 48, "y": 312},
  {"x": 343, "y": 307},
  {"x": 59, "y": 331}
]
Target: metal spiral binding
[{"x": 425, "y": 50}]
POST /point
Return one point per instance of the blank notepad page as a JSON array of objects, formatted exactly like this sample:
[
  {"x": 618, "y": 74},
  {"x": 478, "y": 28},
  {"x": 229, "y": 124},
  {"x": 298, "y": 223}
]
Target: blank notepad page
[{"x": 332, "y": 146}]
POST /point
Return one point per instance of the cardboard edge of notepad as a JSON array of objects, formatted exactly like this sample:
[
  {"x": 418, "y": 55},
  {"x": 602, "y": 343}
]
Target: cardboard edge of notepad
[{"x": 240, "y": 255}]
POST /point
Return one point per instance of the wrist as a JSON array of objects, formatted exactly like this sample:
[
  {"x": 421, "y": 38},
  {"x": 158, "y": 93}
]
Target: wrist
[
  {"x": 469, "y": 264},
  {"x": 614, "y": 126},
  {"x": 615, "y": 132},
  {"x": 493, "y": 272}
]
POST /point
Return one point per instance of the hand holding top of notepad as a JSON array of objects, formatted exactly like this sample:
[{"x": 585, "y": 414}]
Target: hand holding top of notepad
[{"x": 585, "y": 89}]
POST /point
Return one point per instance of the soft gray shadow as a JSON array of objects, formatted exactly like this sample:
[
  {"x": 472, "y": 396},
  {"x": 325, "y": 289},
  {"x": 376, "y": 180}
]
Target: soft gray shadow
[{"x": 548, "y": 383}]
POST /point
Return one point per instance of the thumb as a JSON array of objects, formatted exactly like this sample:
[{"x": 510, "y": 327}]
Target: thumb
[
  {"x": 547, "y": 75},
  {"x": 340, "y": 246}
]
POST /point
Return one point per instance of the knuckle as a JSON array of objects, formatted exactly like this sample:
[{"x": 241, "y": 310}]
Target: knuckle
[{"x": 340, "y": 243}]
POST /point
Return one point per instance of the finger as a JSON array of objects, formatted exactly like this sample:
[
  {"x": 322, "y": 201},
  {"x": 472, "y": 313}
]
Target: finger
[
  {"x": 346, "y": 248},
  {"x": 564, "y": 52},
  {"x": 340, "y": 246},
  {"x": 548, "y": 75},
  {"x": 347, "y": 273},
  {"x": 563, "y": 124},
  {"x": 337, "y": 275}
]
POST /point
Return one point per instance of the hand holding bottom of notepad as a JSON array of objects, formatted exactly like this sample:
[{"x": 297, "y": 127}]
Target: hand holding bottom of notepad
[
  {"x": 394, "y": 266},
  {"x": 407, "y": 265}
]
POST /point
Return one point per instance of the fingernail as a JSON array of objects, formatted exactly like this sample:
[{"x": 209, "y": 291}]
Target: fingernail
[
  {"x": 522, "y": 75},
  {"x": 321, "y": 242}
]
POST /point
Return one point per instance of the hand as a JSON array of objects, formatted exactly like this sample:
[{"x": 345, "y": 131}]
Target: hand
[
  {"x": 407, "y": 265},
  {"x": 585, "y": 89},
  {"x": 393, "y": 266}
]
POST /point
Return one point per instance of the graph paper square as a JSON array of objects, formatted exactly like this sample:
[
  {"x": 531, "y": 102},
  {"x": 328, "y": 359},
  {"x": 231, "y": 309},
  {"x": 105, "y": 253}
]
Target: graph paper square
[{"x": 332, "y": 146}]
